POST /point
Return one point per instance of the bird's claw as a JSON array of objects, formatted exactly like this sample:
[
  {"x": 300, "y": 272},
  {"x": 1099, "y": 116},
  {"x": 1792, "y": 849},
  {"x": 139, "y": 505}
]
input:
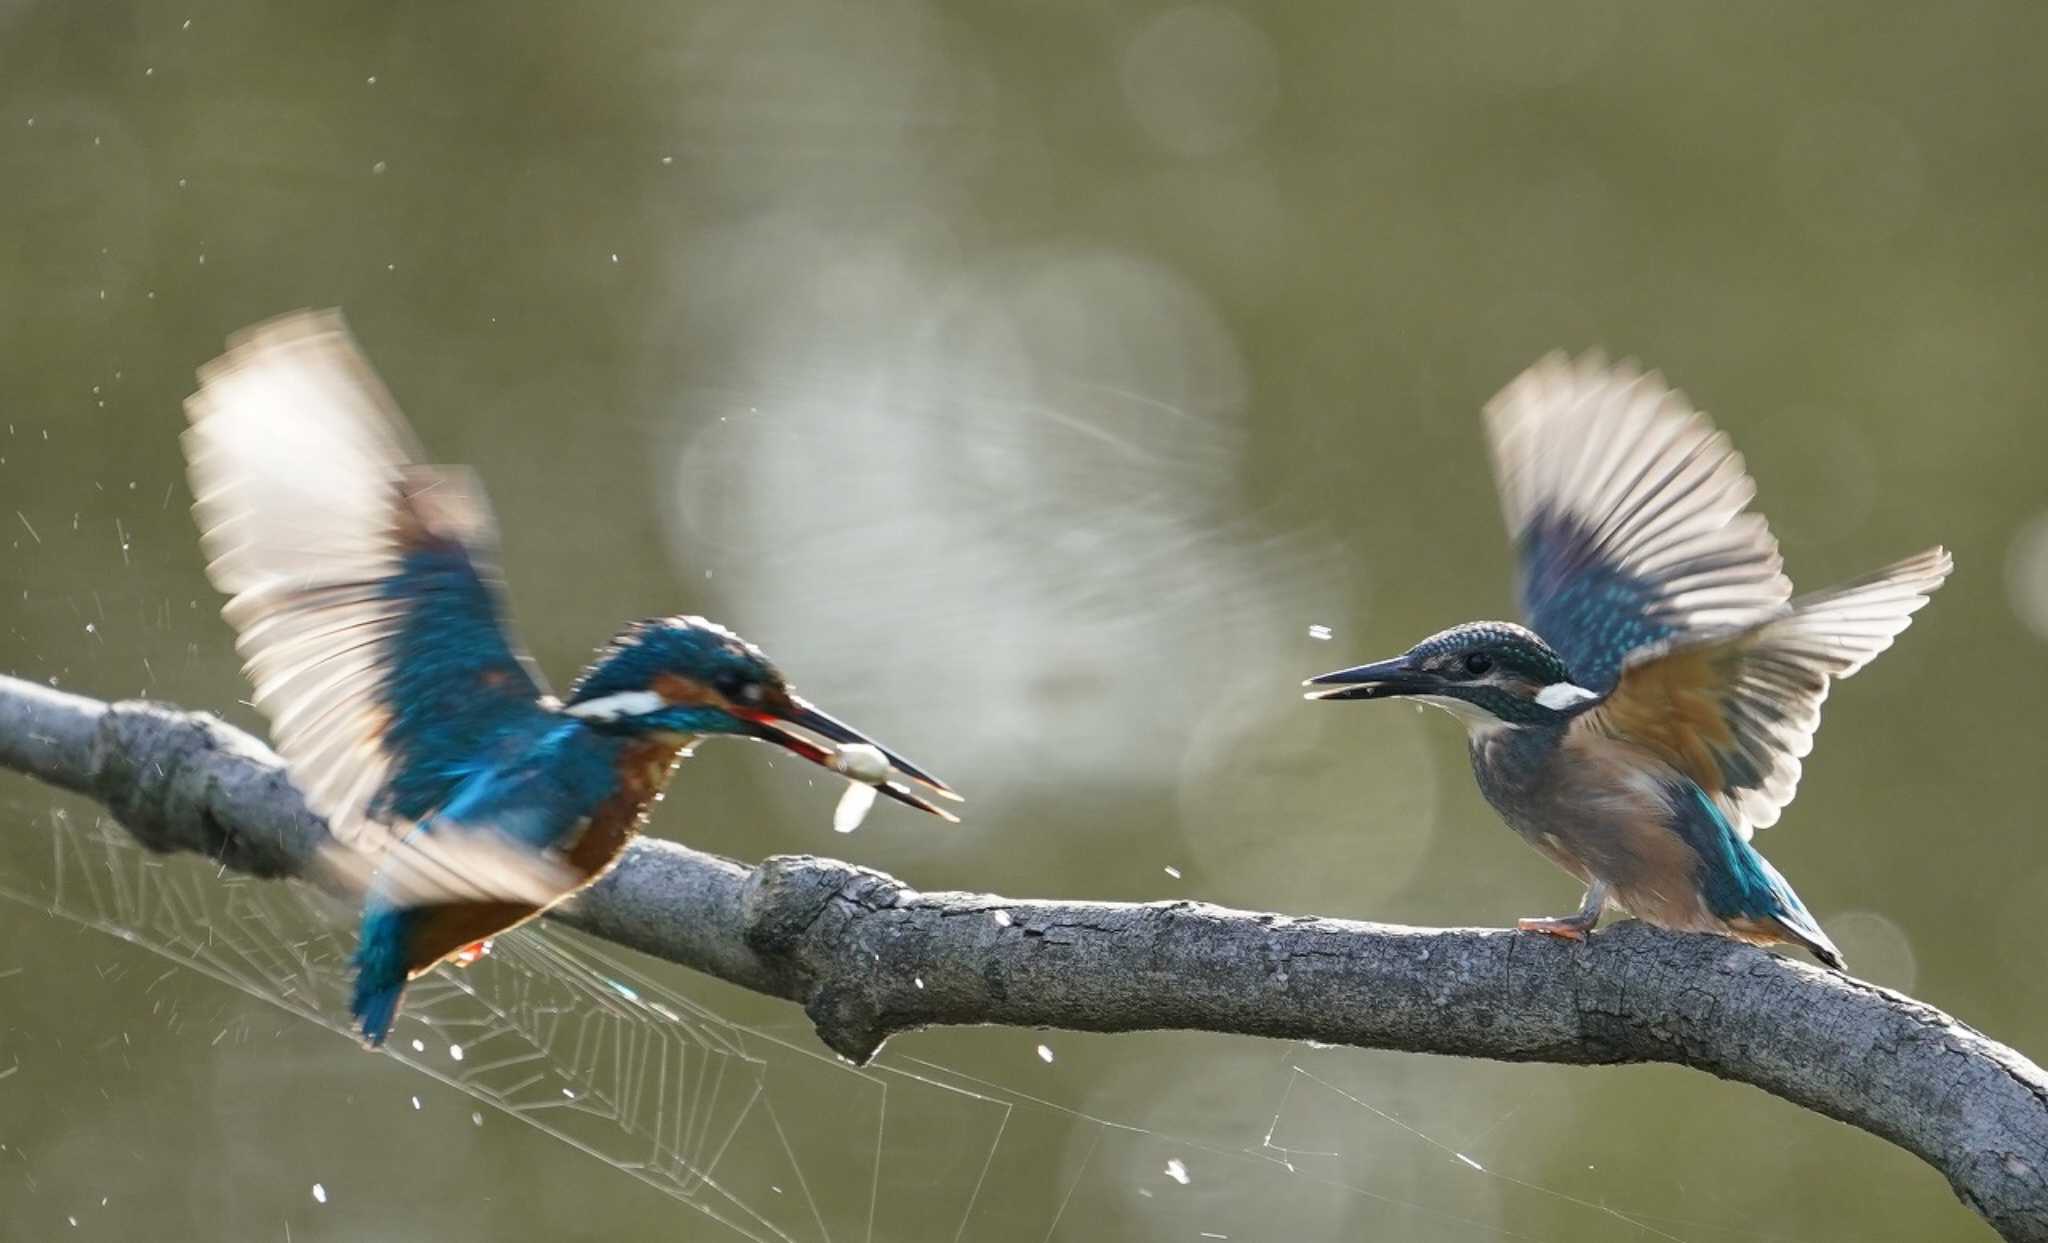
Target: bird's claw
[
  {"x": 469, "y": 954},
  {"x": 1570, "y": 927}
]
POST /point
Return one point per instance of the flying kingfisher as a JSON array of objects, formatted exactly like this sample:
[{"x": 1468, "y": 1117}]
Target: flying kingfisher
[
  {"x": 1653, "y": 713},
  {"x": 461, "y": 797}
]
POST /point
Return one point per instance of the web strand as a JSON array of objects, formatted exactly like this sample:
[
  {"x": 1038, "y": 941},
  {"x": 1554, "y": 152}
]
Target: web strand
[{"x": 553, "y": 1032}]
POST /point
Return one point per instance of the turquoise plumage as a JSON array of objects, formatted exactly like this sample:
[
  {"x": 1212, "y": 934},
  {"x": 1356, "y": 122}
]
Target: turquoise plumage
[
  {"x": 462, "y": 799},
  {"x": 1655, "y": 711}
]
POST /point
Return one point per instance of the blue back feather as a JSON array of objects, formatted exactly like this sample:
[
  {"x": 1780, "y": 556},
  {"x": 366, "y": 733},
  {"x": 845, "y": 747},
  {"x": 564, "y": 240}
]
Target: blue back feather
[{"x": 457, "y": 696}]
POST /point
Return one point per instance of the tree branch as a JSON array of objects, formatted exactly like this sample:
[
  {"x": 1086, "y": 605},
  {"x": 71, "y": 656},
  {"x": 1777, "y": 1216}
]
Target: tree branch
[{"x": 867, "y": 957}]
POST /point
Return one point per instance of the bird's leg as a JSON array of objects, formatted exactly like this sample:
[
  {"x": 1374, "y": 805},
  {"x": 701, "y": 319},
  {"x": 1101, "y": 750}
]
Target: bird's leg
[{"x": 1571, "y": 927}]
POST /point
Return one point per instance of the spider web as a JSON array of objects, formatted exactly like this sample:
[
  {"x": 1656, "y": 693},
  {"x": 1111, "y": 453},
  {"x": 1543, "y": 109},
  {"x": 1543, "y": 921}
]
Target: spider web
[{"x": 723, "y": 1117}]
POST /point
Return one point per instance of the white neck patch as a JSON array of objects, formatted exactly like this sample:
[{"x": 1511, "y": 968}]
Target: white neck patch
[
  {"x": 623, "y": 704},
  {"x": 1478, "y": 722},
  {"x": 1561, "y": 695}
]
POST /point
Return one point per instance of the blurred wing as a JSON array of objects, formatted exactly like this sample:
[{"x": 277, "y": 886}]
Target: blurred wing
[
  {"x": 451, "y": 864},
  {"x": 1737, "y": 713},
  {"x": 361, "y": 586},
  {"x": 1626, "y": 508}
]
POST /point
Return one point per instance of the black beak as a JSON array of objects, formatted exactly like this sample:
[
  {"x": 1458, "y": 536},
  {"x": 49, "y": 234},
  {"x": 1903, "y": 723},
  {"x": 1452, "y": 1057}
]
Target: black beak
[
  {"x": 804, "y": 716},
  {"x": 1389, "y": 679}
]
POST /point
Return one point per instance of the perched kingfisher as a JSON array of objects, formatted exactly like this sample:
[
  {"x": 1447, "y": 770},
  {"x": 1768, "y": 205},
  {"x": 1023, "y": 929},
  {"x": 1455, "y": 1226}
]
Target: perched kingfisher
[
  {"x": 1653, "y": 713},
  {"x": 462, "y": 798}
]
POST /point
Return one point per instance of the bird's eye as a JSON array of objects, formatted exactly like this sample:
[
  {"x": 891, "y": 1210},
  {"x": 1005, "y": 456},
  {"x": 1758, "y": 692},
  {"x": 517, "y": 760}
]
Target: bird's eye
[
  {"x": 1477, "y": 663},
  {"x": 737, "y": 687}
]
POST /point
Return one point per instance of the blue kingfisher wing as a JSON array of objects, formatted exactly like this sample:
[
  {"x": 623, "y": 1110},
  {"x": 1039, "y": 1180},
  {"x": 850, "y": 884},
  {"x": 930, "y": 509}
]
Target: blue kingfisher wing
[
  {"x": 1626, "y": 508},
  {"x": 361, "y": 584},
  {"x": 1736, "y": 712}
]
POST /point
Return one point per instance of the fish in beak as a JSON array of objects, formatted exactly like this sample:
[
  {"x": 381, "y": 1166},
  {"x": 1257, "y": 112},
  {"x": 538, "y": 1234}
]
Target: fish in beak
[{"x": 797, "y": 726}]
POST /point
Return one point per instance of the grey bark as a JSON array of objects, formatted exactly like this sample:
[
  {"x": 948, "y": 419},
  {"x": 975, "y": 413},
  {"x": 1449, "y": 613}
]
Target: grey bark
[{"x": 867, "y": 956}]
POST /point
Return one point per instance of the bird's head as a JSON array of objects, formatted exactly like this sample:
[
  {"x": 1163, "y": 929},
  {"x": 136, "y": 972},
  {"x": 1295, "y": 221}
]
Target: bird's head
[
  {"x": 681, "y": 678},
  {"x": 1489, "y": 675}
]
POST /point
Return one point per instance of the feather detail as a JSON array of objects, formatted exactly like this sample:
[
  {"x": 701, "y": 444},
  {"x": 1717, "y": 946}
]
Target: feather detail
[
  {"x": 1737, "y": 712},
  {"x": 363, "y": 590},
  {"x": 1626, "y": 508}
]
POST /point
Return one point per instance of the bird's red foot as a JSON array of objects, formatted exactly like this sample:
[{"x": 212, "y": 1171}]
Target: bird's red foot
[
  {"x": 1570, "y": 927},
  {"x": 470, "y": 953}
]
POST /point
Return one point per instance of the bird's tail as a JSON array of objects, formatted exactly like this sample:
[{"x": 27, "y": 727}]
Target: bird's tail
[
  {"x": 1790, "y": 921},
  {"x": 1752, "y": 899},
  {"x": 381, "y": 972}
]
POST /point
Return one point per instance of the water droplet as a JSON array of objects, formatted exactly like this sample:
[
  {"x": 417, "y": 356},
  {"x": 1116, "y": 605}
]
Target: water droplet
[
  {"x": 455, "y": 1051},
  {"x": 1173, "y": 872},
  {"x": 319, "y": 1193},
  {"x": 1045, "y": 1055},
  {"x": 1319, "y": 632},
  {"x": 1177, "y": 1171}
]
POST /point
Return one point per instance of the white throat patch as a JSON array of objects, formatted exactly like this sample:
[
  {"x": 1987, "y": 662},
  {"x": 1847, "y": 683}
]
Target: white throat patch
[
  {"x": 1478, "y": 722},
  {"x": 1561, "y": 695},
  {"x": 623, "y": 704}
]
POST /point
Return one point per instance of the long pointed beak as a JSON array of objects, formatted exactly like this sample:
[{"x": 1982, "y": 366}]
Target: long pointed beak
[
  {"x": 1388, "y": 679},
  {"x": 805, "y": 716},
  {"x": 820, "y": 723}
]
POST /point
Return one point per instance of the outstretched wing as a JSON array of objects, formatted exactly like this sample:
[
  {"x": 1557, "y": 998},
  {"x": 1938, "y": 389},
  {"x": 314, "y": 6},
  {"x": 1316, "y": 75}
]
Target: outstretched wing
[
  {"x": 1737, "y": 712},
  {"x": 361, "y": 588},
  {"x": 1626, "y": 508}
]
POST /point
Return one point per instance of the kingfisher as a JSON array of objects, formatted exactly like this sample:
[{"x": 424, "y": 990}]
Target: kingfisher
[
  {"x": 1653, "y": 713},
  {"x": 462, "y": 798}
]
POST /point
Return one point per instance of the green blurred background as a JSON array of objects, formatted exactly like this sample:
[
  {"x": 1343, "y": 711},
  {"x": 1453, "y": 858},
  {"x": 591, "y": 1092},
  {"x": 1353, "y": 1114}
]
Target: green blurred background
[{"x": 1029, "y": 379}]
